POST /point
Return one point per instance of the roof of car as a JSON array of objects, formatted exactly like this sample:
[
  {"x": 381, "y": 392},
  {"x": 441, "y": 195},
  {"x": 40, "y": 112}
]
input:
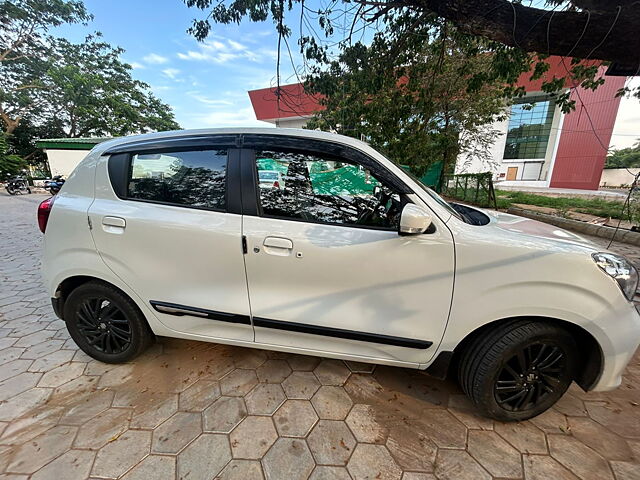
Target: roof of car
[{"x": 291, "y": 132}]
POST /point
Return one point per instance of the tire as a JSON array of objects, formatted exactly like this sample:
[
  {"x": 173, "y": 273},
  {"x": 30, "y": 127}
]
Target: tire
[
  {"x": 105, "y": 323},
  {"x": 519, "y": 369}
]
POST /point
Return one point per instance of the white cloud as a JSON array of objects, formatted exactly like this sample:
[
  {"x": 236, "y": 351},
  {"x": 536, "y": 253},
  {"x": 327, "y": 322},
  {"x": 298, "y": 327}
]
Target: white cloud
[
  {"x": 155, "y": 59},
  {"x": 243, "y": 117},
  {"x": 626, "y": 130},
  {"x": 172, "y": 73},
  {"x": 137, "y": 66},
  {"x": 221, "y": 50},
  {"x": 209, "y": 101}
]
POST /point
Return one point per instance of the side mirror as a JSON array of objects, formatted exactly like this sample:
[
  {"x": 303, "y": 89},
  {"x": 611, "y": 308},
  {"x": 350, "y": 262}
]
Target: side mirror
[{"x": 414, "y": 220}]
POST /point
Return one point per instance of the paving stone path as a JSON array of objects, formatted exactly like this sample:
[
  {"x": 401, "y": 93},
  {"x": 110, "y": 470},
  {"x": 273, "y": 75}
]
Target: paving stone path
[{"x": 193, "y": 410}]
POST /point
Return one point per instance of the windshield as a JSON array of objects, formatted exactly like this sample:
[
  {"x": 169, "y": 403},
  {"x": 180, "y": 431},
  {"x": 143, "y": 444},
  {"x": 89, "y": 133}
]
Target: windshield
[{"x": 441, "y": 201}]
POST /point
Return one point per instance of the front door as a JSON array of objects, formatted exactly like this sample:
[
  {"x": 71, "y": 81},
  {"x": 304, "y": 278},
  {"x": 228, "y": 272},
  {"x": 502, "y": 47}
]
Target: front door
[
  {"x": 170, "y": 235},
  {"x": 326, "y": 268},
  {"x": 512, "y": 172}
]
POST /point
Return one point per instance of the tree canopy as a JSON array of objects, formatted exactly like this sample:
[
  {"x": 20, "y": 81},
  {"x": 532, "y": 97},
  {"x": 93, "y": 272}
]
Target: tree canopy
[{"x": 624, "y": 157}]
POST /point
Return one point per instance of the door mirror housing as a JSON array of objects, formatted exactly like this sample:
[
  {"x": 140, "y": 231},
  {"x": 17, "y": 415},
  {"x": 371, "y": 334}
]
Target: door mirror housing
[{"x": 414, "y": 220}]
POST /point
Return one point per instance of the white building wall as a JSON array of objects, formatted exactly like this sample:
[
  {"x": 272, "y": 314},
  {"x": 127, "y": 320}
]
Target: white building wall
[
  {"x": 62, "y": 162},
  {"x": 618, "y": 177}
]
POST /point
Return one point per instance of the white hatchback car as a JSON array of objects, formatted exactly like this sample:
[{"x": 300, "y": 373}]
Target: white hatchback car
[{"x": 170, "y": 234}]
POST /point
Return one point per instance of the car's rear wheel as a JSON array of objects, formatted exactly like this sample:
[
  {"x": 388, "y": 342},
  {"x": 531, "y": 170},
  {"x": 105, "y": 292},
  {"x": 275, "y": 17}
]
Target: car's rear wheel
[
  {"x": 519, "y": 369},
  {"x": 105, "y": 323}
]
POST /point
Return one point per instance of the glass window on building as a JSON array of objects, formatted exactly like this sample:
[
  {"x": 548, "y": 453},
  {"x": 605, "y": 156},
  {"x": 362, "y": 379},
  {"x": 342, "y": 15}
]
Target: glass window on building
[{"x": 529, "y": 128}]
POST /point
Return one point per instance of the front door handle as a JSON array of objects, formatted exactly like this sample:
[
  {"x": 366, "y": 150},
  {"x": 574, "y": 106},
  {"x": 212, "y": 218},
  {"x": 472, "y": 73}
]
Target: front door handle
[
  {"x": 277, "y": 246},
  {"x": 113, "y": 224}
]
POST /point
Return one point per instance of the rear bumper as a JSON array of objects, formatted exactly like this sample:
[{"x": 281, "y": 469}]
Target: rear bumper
[{"x": 624, "y": 336}]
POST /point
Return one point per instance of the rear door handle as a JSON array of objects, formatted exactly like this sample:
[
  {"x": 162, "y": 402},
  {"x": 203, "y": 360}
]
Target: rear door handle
[
  {"x": 278, "y": 246},
  {"x": 113, "y": 224},
  {"x": 278, "y": 242}
]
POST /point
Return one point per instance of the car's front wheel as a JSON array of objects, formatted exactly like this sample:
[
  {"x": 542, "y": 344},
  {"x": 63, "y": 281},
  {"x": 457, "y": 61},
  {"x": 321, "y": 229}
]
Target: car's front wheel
[
  {"x": 105, "y": 323},
  {"x": 519, "y": 369}
]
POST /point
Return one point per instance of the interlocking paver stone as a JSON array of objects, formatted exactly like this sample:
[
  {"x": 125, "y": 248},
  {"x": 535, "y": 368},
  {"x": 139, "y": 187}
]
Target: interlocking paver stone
[
  {"x": 495, "y": 454},
  {"x": 174, "y": 434},
  {"x": 73, "y": 465},
  {"x": 332, "y": 403},
  {"x": 199, "y": 395},
  {"x": 253, "y": 437},
  {"x": 224, "y": 414},
  {"x": 600, "y": 439},
  {"x": 204, "y": 458},
  {"x": 577, "y": 457},
  {"x": 295, "y": 418},
  {"x": 411, "y": 447},
  {"x": 301, "y": 385},
  {"x": 61, "y": 375},
  {"x": 118, "y": 456},
  {"x": 458, "y": 465},
  {"x": 153, "y": 467},
  {"x": 322, "y": 472},
  {"x": 332, "y": 372},
  {"x": 525, "y": 436},
  {"x": 273, "y": 371},
  {"x": 35, "y": 454},
  {"x": 331, "y": 442},
  {"x": 362, "y": 422},
  {"x": 288, "y": 458},
  {"x": 373, "y": 462},
  {"x": 102, "y": 428},
  {"x": 242, "y": 470},
  {"x": 264, "y": 399},
  {"x": 238, "y": 383},
  {"x": 543, "y": 467}
]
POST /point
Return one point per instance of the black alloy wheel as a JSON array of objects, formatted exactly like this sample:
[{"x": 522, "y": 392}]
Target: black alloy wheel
[
  {"x": 103, "y": 325},
  {"x": 518, "y": 369},
  {"x": 530, "y": 376}
]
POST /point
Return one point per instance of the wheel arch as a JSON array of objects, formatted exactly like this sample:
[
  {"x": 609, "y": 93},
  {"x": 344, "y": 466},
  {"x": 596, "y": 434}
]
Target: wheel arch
[
  {"x": 69, "y": 284},
  {"x": 591, "y": 354}
]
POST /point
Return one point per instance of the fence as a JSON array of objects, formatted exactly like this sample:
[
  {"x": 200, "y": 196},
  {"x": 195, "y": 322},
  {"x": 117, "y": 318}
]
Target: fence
[{"x": 475, "y": 188}]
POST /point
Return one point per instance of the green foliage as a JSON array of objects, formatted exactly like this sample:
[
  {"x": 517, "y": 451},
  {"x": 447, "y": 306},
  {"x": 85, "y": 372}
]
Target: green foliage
[
  {"x": 10, "y": 164},
  {"x": 94, "y": 93},
  {"x": 474, "y": 188},
  {"x": 420, "y": 98},
  {"x": 624, "y": 158},
  {"x": 596, "y": 206}
]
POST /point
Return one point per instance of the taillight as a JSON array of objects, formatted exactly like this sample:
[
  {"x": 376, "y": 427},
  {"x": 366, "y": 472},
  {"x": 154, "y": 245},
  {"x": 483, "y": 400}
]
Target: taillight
[
  {"x": 44, "y": 209},
  {"x": 276, "y": 184}
]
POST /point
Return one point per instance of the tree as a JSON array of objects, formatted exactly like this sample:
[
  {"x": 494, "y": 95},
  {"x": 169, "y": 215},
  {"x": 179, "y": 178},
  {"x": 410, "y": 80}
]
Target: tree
[
  {"x": 421, "y": 98},
  {"x": 624, "y": 158},
  {"x": 93, "y": 94},
  {"x": 10, "y": 164},
  {"x": 581, "y": 29},
  {"x": 25, "y": 48}
]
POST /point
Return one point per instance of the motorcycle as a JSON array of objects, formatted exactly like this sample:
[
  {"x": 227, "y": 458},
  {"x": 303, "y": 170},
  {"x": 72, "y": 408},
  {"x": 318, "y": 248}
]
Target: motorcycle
[
  {"x": 17, "y": 185},
  {"x": 54, "y": 185}
]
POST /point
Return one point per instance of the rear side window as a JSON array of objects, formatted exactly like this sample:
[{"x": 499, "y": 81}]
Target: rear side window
[{"x": 188, "y": 178}]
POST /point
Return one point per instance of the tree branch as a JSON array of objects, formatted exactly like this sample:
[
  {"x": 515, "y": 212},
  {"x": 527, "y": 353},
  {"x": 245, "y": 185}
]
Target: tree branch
[{"x": 611, "y": 34}]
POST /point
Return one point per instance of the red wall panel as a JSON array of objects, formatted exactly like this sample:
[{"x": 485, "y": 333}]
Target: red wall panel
[{"x": 585, "y": 136}]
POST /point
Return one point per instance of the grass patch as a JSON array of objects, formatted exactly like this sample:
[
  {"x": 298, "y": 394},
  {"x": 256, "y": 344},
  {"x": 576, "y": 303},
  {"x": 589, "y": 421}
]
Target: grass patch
[{"x": 595, "y": 206}]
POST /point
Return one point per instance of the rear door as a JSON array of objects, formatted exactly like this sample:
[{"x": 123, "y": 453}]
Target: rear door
[
  {"x": 167, "y": 221},
  {"x": 326, "y": 268}
]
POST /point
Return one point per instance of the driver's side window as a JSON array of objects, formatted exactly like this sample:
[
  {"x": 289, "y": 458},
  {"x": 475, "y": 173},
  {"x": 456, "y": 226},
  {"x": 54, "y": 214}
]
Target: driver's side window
[{"x": 317, "y": 188}]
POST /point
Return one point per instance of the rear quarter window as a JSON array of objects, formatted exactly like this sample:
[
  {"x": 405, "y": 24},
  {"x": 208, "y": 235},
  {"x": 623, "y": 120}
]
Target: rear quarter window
[{"x": 187, "y": 178}]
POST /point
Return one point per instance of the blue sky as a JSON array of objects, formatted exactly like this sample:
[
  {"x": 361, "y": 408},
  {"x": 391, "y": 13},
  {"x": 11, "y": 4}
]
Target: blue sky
[{"x": 205, "y": 83}]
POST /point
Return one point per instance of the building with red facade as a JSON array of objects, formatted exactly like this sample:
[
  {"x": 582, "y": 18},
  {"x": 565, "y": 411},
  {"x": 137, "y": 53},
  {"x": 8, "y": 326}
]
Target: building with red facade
[{"x": 535, "y": 146}]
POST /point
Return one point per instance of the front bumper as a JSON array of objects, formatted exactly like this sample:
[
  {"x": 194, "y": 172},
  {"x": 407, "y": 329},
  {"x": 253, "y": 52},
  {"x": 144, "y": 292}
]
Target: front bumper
[{"x": 624, "y": 339}]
